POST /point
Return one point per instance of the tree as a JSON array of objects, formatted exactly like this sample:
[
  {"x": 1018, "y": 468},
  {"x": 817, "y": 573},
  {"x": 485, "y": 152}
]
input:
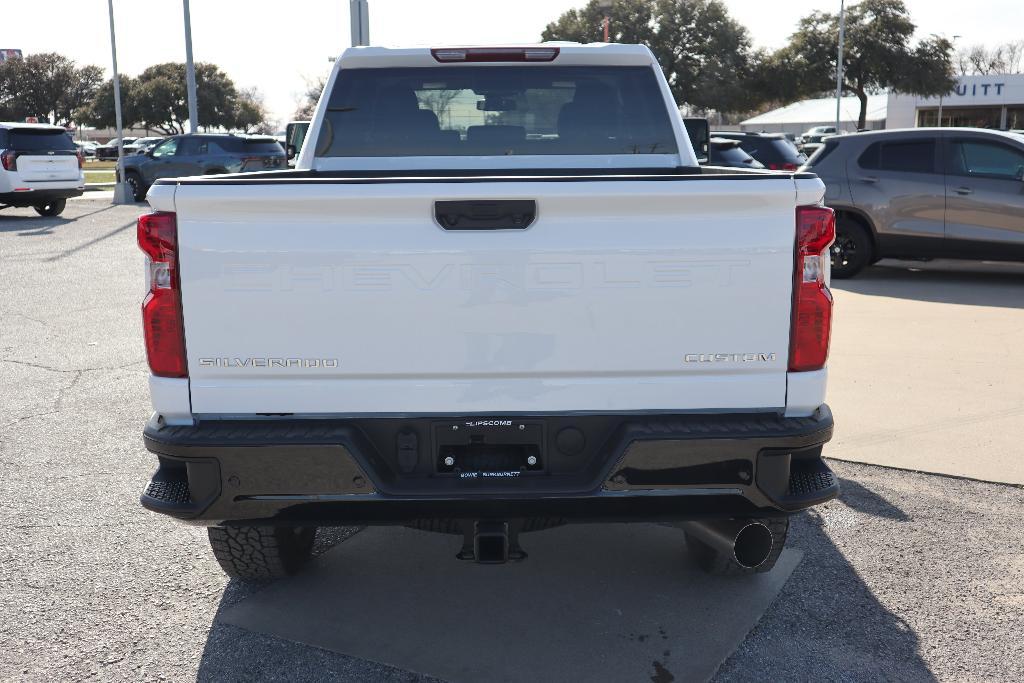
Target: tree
[
  {"x": 705, "y": 54},
  {"x": 1007, "y": 58},
  {"x": 10, "y": 82},
  {"x": 878, "y": 54},
  {"x": 307, "y": 104},
  {"x": 99, "y": 111},
  {"x": 251, "y": 112},
  {"x": 46, "y": 85},
  {"x": 162, "y": 97}
]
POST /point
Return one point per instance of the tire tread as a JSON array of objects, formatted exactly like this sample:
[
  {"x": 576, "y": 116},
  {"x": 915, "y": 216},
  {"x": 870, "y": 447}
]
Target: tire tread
[{"x": 261, "y": 552}]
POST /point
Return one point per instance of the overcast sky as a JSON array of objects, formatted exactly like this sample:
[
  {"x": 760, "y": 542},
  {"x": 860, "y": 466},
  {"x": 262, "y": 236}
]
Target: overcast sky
[{"x": 275, "y": 44}]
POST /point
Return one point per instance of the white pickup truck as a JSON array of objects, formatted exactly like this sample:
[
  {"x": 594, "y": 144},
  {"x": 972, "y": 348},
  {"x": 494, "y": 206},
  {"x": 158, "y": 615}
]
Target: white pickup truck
[{"x": 496, "y": 294}]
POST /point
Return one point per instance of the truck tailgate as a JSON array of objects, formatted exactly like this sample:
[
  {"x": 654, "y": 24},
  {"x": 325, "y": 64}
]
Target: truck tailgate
[{"x": 344, "y": 298}]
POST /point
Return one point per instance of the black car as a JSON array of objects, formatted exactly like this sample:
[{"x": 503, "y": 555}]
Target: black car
[
  {"x": 729, "y": 153},
  {"x": 202, "y": 154},
  {"x": 774, "y": 151},
  {"x": 108, "y": 151}
]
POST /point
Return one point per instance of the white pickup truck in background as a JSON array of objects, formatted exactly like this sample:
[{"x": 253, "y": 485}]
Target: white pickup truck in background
[{"x": 496, "y": 294}]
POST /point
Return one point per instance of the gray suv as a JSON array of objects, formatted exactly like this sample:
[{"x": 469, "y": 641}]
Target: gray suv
[
  {"x": 202, "y": 154},
  {"x": 923, "y": 193}
]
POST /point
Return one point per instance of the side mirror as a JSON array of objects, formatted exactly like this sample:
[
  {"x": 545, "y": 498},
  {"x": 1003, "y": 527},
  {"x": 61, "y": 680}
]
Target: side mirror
[
  {"x": 699, "y": 132},
  {"x": 291, "y": 152}
]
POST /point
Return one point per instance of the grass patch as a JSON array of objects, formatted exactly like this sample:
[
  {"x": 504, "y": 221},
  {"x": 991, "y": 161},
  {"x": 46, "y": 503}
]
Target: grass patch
[{"x": 99, "y": 176}]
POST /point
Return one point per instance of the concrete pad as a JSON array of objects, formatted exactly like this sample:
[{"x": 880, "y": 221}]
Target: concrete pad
[
  {"x": 926, "y": 370},
  {"x": 592, "y": 603}
]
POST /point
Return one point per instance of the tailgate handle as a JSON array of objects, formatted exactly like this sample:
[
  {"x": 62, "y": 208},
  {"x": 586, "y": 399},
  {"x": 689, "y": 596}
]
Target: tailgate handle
[{"x": 485, "y": 214}]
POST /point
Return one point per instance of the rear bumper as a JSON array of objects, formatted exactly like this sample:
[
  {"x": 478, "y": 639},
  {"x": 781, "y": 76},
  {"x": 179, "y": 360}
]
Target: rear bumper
[
  {"x": 41, "y": 196},
  {"x": 391, "y": 470}
]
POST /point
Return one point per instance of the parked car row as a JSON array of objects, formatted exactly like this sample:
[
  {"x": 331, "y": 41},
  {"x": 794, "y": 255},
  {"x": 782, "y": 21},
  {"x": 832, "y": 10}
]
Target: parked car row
[
  {"x": 728, "y": 153},
  {"x": 923, "y": 193},
  {"x": 108, "y": 150},
  {"x": 41, "y": 166},
  {"x": 812, "y": 140},
  {"x": 773, "y": 151},
  {"x": 202, "y": 154},
  {"x": 916, "y": 193},
  {"x": 87, "y": 148}
]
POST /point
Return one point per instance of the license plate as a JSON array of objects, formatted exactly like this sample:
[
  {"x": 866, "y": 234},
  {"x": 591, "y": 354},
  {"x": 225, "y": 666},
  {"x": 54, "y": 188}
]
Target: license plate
[{"x": 486, "y": 448}]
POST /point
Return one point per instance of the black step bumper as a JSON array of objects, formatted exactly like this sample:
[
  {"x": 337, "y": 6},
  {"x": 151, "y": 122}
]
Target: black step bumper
[{"x": 585, "y": 468}]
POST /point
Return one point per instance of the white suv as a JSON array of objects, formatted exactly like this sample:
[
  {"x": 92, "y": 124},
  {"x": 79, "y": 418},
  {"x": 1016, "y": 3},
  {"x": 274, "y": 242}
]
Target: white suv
[{"x": 39, "y": 167}]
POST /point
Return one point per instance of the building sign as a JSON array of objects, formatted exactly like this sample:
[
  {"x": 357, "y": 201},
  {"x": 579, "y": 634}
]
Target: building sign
[
  {"x": 984, "y": 101},
  {"x": 9, "y": 54},
  {"x": 991, "y": 90},
  {"x": 978, "y": 89}
]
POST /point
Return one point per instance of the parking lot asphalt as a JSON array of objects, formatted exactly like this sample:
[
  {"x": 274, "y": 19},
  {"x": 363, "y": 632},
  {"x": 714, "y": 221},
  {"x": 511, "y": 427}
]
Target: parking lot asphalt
[
  {"x": 926, "y": 371},
  {"x": 907, "y": 576}
]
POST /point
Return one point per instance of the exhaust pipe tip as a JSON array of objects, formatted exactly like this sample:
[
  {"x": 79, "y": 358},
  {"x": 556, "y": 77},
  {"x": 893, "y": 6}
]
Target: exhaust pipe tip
[
  {"x": 748, "y": 542},
  {"x": 753, "y": 545}
]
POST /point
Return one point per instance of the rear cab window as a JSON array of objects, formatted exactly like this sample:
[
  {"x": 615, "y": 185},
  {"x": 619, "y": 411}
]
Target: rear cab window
[
  {"x": 903, "y": 156},
  {"x": 496, "y": 111},
  {"x": 28, "y": 140}
]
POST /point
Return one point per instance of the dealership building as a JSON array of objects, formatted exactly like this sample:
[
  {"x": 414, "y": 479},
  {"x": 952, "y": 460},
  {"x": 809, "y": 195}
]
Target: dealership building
[{"x": 992, "y": 101}]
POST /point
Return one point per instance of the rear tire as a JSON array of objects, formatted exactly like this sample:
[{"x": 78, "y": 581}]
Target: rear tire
[
  {"x": 261, "y": 552},
  {"x": 852, "y": 251},
  {"x": 134, "y": 181},
  {"x": 721, "y": 564},
  {"x": 54, "y": 208}
]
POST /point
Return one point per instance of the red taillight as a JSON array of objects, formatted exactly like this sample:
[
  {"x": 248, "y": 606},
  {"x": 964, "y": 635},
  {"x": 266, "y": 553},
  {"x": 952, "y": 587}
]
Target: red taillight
[
  {"x": 495, "y": 54},
  {"x": 790, "y": 166},
  {"x": 161, "y": 310},
  {"x": 812, "y": 300},
  {"x": 81, "y": 161},
  {"x": 9, "y": 159}
]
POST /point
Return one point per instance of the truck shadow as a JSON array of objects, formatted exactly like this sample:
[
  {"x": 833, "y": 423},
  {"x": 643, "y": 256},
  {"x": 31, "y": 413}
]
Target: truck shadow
[
  {"x": 970, "y": 283},
  {"x": 824, "y": 624}
]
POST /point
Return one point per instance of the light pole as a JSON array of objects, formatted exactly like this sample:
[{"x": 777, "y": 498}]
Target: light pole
[
  {"x": 190, "y": 73},
  {"x": 839, "y": 64},
  {"x": 606, "y": 5},
  {"x": 123, "y": 193},
  {"x": 941, "y": 96},
  {"x": 359, "y": 14}
]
